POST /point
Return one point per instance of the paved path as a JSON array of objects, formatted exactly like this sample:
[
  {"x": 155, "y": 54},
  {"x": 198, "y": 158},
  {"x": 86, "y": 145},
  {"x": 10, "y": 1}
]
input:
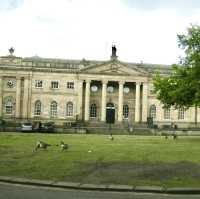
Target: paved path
[{"x": 12, "y": 191}]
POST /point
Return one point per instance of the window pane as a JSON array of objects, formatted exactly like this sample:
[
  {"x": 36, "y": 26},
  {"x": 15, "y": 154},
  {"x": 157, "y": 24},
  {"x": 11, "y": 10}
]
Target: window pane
[
  {"x": 37, "y": 110},
  {"x": 54, "y": 84},
  {"x": 38, "y": 83},
  {"x": 153, "y": 111},
  {"x": 93, "y": 110},
  {"x": 125, "y": 111},
  {"x": 53, "y": 109},
  {"x": 70, "y": 85},
  {"x": 69, "y": 111},
  {"x": 181, "y": 114},
  {"x": 9, "y": 107},
  {"x": 167, "y": 113}
]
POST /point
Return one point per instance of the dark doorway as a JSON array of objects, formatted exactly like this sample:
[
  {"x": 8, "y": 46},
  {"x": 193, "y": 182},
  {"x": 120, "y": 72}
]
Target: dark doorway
[{"x": 110, "y": 113}]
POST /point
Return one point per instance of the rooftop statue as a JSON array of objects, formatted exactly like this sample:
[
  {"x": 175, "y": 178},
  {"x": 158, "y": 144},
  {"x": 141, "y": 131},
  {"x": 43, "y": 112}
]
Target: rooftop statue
[
  {"x": 114, "y": 52},
  {"x": 11, "y": 50}
]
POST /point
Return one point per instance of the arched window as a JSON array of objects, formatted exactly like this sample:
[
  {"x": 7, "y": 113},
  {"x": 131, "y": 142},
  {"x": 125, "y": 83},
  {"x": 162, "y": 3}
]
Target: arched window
[
  {"x": 167, "y": 113},
  {"x": 125, "y": 111},
  {"x": 152, "y": 111},
  {"x": 69, "y": 109},
  {"x": 93, "y": 110},
  {"x": 38, "y": 106},
  {"x": 53, "y": 109},
  {"x": 9, "y": 107},
  {"x": 181, "y": 114}
]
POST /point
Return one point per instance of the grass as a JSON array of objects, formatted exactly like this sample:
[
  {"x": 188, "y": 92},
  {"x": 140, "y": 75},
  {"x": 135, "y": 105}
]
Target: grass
[{"x": 133, "y": 160}]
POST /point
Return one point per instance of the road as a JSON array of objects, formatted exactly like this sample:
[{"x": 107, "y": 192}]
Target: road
[{"x": 10, "y": 191}]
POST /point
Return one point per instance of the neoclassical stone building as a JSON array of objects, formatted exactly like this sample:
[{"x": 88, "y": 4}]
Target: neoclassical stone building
[{"x": 63, "y": 90}]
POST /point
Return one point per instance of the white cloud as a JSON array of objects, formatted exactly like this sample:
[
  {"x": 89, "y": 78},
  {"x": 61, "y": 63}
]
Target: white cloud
[{"x": 76, "y": 29}]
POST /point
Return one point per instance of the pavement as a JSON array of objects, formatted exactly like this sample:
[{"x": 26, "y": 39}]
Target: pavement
[{"x": 97, "y": 187}]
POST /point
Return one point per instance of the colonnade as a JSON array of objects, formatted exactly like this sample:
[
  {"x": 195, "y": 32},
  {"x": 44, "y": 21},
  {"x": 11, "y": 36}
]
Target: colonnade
[{"x": 138, "y": 96}]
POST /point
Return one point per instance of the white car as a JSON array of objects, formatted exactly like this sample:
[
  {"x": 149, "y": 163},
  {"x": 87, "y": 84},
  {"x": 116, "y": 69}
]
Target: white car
[{"x": 26, "y": 127}]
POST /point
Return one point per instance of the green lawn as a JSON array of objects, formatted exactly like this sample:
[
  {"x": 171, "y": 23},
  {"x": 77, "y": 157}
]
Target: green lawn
[{"x": 134, "y": 160}]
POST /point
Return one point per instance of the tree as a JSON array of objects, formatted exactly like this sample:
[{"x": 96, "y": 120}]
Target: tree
[{"x": 182, "y": 87}]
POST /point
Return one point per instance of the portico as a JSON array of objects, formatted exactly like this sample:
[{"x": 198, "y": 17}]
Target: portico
[{"x": 133, "y": 94}]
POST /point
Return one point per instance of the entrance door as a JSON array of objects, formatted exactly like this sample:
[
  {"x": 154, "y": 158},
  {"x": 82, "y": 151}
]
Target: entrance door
[{"x": 110, "y": 113}]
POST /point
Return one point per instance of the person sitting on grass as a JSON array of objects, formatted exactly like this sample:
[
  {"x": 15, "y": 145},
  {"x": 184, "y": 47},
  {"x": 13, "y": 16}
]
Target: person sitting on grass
[{"x": 42, "y": 145}]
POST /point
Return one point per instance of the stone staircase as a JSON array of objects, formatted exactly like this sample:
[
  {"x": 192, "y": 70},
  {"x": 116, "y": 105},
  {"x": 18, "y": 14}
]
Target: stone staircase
[
  {"x": 118, "y": 128},
  {"x": 104, "y": 128}
]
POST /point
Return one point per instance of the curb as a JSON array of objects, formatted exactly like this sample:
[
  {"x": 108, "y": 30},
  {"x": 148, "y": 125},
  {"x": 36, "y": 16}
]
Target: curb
[{"x": 95, "y": 187}]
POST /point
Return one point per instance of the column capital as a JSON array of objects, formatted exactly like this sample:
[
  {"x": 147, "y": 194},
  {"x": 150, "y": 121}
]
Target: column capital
[
  {"x": 18, "y": 77},
  {"x": 88, "y": 80},
  {"x": 104, "y": 81},
  {"x": 121, "y": 82},
  {"x": 138, "y": 83}
]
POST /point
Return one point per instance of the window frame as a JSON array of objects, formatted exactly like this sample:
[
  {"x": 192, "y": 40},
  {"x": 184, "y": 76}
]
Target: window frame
[
  {"x": 36, "y": 110},
  {"x": 69, "y": 109},
  {"x": 154, "y": 109},
  {"x": 93, "y": 110},
  {"x": 167, "y": 113},
  {"x": 181, "y": 113},
  {"x": 38, "y": 82},
  {"x": 125, "y": 111},
  {"x": 70, "y": 85},
  {"x": 53, "y": 86},
  {"x": 10, "y": 106},
  {"x": 53, "y": 109}
]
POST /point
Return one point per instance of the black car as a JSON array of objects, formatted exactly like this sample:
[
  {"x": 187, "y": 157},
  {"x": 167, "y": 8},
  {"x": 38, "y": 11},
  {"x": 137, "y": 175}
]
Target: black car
[{"x": 47, "y": 127}]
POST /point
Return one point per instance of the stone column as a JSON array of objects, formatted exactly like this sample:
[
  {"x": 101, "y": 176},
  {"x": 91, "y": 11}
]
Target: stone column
[
  {"x": 87, "y": 100},
  {"x": 103, "y": 101},
  {"x": 1, "y": 96},
  {"x": 80, "y": 99},
  {"x": 120, "y": 102},
  {"x": 144, "y": 102},
  {"x": 18, "y": 97},
  {"x": 25, "y": 98},
  {"x": 137, "y": 102}
]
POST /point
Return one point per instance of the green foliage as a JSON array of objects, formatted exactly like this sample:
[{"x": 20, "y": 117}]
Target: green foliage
[{"x": 182, "y": 87}]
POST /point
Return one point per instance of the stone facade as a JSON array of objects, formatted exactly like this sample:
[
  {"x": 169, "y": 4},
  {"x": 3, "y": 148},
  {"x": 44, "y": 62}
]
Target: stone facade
[{"x": 67, "y": 90}]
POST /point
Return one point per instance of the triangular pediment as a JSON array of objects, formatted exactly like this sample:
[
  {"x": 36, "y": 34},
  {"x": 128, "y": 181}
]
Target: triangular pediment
[{"x": 114, "y": 68}]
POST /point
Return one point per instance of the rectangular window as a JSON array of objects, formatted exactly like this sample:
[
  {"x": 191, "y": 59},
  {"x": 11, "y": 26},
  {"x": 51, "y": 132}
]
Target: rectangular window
[
  {"x": 166, "y": 113},
  {"x": 54, "y": 84},
  {"x": 181, "y": 114},
  {"x": 70, "y": 85},
  {"x": 38, "y": 83}
]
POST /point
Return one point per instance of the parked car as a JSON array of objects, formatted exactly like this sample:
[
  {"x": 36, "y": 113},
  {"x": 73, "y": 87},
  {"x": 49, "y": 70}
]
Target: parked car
[
  {"x": 47, "y": 127},
  {"x": 26, "y": 127}
]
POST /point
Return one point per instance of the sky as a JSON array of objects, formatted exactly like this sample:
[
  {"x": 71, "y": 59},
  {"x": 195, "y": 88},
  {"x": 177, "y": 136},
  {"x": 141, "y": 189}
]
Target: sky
[{"x": 142, "y": 30}]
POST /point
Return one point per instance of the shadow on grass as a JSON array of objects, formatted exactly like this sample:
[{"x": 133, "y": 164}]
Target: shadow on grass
[{"x": 134, "y": 173}]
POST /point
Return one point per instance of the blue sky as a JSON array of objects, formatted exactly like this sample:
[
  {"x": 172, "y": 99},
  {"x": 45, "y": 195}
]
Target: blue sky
[{"x": 142, "y": 30}]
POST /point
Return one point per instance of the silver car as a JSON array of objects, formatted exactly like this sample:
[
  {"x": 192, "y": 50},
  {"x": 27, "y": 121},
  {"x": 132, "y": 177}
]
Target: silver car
[{"x": 26, "y": 127}]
